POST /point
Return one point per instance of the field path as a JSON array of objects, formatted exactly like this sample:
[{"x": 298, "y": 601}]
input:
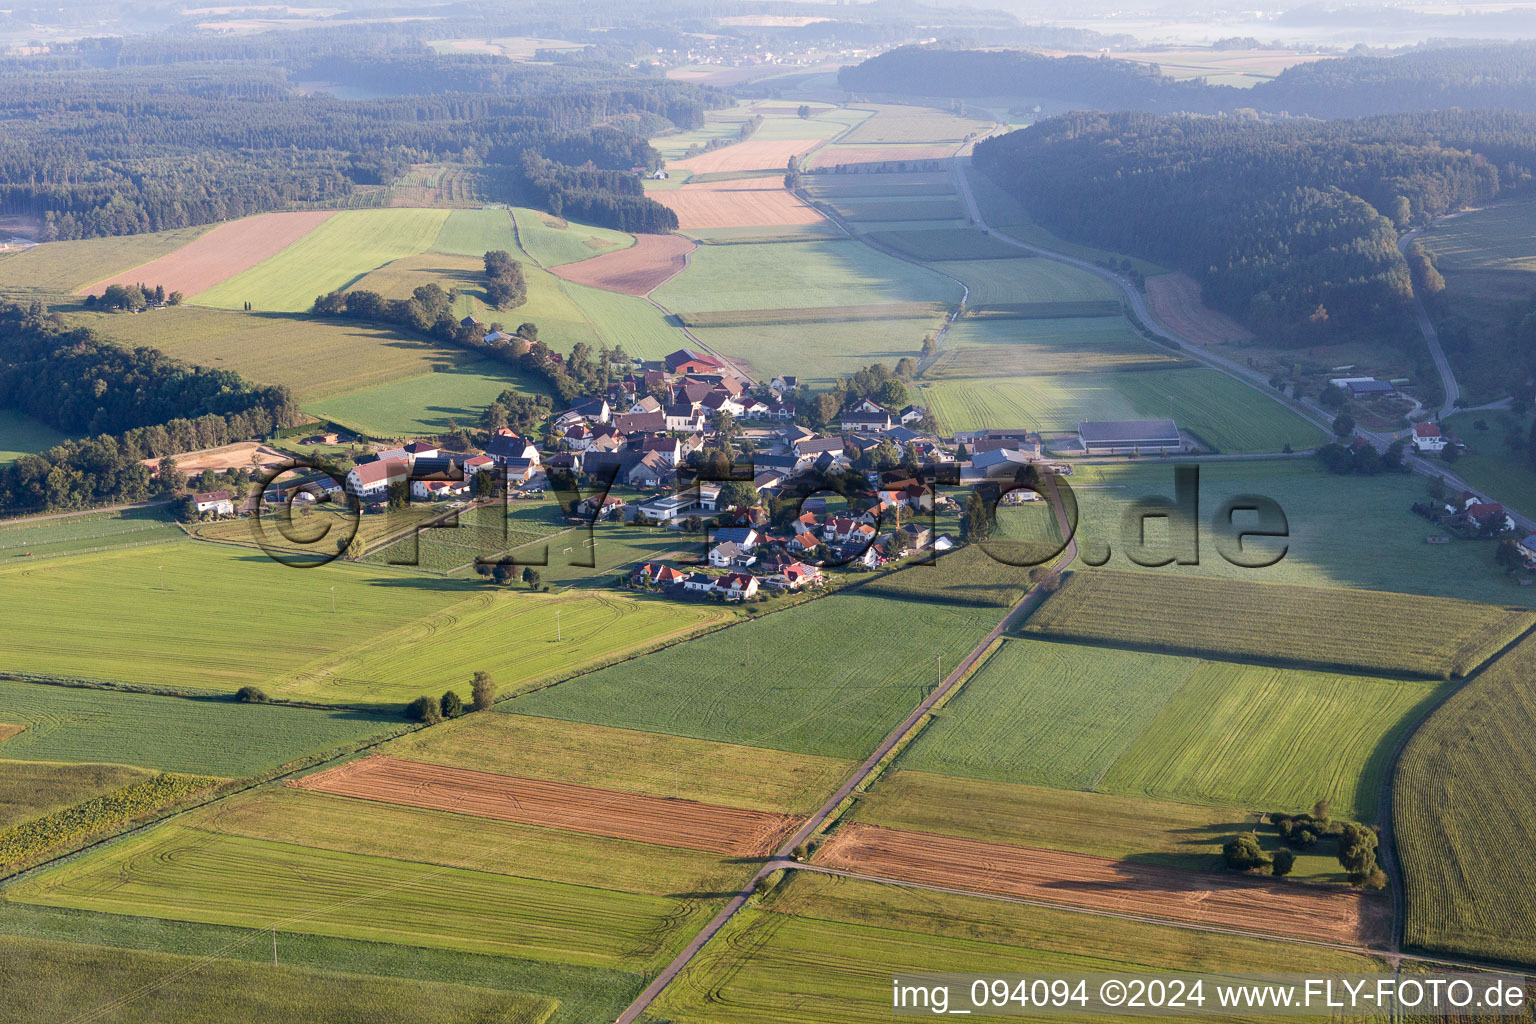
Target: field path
[
  {"x": 1432, "y": 337},
  {"x": 783, "y": 858}
]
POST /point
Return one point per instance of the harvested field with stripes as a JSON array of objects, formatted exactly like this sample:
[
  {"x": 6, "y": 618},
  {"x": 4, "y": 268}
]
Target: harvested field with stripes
[
  {"x": 743, "y": 202},
  {"x": 1316, "y": 627},
  {"x": 650, "y": 262},
  {"x": 1073, "y": 879},
  {"x": 604, "y": 812},
  {"x": 221, "y": 253},
  {"x": 840, "y": 156}
]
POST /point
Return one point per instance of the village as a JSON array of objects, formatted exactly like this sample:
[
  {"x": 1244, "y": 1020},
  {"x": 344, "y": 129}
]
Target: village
[{"x": 689, "y": 444}]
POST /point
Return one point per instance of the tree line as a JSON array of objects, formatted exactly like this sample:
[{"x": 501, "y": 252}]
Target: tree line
[
  {"x": 1290, "y": 225},
  {"x": 1478, "y": 76}
]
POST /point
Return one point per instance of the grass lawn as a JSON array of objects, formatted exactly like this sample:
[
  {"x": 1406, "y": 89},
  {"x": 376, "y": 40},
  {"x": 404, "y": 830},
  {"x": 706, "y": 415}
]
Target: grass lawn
[
  {"x": 1344, "y": 531},
  {"x": 1172, "y": 728},
  {"x": 1224, "y": 413},
  {"x": 985, "y": 348},
  {"x": 21, "y": 435},
  {"x": 174, "y": 734},
  {"x": 189, "y": 874},
  {"x": 810, "y": 687},
  {"x": 585, "y": 993},
  {"x": 475, "y": 233},
  {"x": 315, "y": 358},
  {"x": 215, "y": 623},
  {"x": 523, "y": 639},
  {"x": 1314, "y": 627},
  {"x": 332, "y": 256},
  {"x": 1175, "y": 835},
  {"x": 641, "y": 762},
  {"x": 31, "y": 789},
  {"x": 794, "y": 275},
  {"x": 1491, "y": 467},
  {"x": 58, "y": 268},
  {"x": 1028, "y": 279},
  {"x": 821, "y": 942},
  {"x": 1462, "y": 807},
  {"x": 552, "y": 241},
  {"x": 427, "y": 404},
  {"x": 63, "y": 981},
  {"x": 819, "y": 353}
]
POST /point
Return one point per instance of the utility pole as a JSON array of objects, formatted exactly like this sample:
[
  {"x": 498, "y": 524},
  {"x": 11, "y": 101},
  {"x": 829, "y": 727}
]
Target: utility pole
[
  {"x": 162, "y": 577},
  {"x": 333, "y": 600}
]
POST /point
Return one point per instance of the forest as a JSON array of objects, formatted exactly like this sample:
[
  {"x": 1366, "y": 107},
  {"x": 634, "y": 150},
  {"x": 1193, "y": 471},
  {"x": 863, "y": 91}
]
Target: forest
[
  {"x": 137, "y": 404},
  {"x": 1471, "y": 76},
  {"x": 94, "y": 152},
  {"x": 1290, "y": 225}
]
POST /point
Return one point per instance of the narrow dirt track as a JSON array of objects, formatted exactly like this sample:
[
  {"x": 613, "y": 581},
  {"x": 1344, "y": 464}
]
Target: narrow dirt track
[
  {"x": 1286, "y": 908},
  {"x": 604, "y": 812}
]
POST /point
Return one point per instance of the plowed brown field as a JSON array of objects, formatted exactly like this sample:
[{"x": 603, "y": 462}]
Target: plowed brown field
[
  {"x": 752, "y": 155},
  {"x": 221, "y": 253},
  {"x": 7, "y": 731},
  {"x": 1232, "y": 901},
  {"x": 1175, "y": 299},
  {"x": 601, "y": 812},
  {"x": 646, "y": 265},
  {"x": 744, "y": 202}
]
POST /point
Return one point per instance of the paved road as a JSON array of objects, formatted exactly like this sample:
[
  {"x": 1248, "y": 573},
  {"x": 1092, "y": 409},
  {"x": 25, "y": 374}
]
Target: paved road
[
  {"x": 1432, "y": 337},
  {"x": 783, "y": 857}
]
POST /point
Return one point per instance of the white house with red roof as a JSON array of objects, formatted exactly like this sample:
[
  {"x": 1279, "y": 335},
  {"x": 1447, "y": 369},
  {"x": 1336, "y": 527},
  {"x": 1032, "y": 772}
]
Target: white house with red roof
[
  {"x": 1427, "y": 437},
  {"x": 736, "y": 586}
]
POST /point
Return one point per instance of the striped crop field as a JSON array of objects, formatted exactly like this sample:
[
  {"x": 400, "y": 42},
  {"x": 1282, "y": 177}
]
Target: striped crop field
[{"x": 1354, "y": 630}]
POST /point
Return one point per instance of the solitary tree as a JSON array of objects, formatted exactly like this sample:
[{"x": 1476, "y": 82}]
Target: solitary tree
[
  {"x": 251, "y": 695},
  {"x": 452, "y": 706},
  {"x": 531, "y": 577},
  {"x": 1242, "y": 853},
  {"x": 482, "y": 692},
  {"x": 1282, "y": 862},
  {"x": 1357, "y": 851},
  {"x": 1343, "y": 425}
]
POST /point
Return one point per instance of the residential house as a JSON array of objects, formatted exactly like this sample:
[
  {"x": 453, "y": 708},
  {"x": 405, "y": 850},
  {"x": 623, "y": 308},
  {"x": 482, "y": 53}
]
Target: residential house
[
  {"x": 645, "y": 404},
  {"x": 437, "y": 490},
  {"x": 767, "y": 480},
  {"x": 719, "y": 401},
  {"x": 1528, "y": 549},
  {"x": 806, "y": 523},
  {"x": 1002, "y": 463},
  {"x": 477, "y": 464},
  {"x": 911, "y": 414},
  {"x": 420, "y": 450},
  {"x": 736, "y": 586},
  {"x": 1427, "y": 437},
  {"x": 753, "y": 408},
  {"x": 640, "y": 423},
  {"x": 520, "y": 471},
  {"x": 840, "y": 529},
  {"x": 372, "y": 479},
  {"x": 601, "y": 507},
  {"x": 709, "y": 497},
  {"x": 730, "y": 555},
  {"x": 784, "y": 383},
  {"x": 813, "y": 447},
  {"x": 698, "y": 583},
  {"x": 506, "y": 447},
  {"x": 577, "y": 438},
  {"x": 862, "y": 417},
  {"x": 1488, "y": 515},
  {"x": 649, "y": 472},
  {"x": 667, "y": 447},
  {"x": 219, "y": 502},
  {"x": 743, "y": 536},
  {"x": 804, "y": 543},
  {"x": 659, "y": 573}
]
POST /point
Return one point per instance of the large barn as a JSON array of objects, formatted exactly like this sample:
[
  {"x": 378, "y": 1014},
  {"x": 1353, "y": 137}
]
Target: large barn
[{"x": 1114, "y": 437}]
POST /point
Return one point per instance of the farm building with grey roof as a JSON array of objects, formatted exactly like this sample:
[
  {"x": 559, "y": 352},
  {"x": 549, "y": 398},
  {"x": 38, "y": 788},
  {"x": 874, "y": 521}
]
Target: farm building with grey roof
[{"x": 1108, "y": 437}]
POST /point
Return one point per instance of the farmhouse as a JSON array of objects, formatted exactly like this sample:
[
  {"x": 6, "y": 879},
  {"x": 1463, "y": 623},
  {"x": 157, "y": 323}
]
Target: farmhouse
[
  {"x": 1118, "y": 437},
  {"x": 372, "y": 479},
  {"x": 730, "y": 555},
  {"x": 1428, "y": 438},
  {"x": 658, "y": 573},
  {"x": 601, "y": 506},
  {"x": 220, "y": 502}
]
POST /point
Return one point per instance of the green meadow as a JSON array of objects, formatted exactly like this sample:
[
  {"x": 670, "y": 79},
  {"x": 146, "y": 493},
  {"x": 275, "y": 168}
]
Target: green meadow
[
  {"x": 332, "y": 256},
  {"x": 22, "y": 435}
]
